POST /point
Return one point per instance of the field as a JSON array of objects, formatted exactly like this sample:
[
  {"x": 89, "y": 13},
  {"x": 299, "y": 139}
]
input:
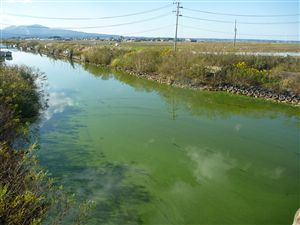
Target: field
[
  {"x": 222, "y": 46},
  {"x": 199, "y": 46}
]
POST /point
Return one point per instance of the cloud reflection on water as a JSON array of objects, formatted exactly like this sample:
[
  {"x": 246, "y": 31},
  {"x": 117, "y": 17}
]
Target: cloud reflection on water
[
  {"x": 58, "y": 102},
  {"x": 209, "y": 164}
]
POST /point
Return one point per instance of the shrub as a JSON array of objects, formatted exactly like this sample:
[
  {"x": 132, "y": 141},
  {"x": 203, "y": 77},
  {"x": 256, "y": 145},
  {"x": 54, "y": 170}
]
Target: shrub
[
  {"x": 176, "y": 65},
  {"x": 19, "y": 100},
  {"x": 143, "y": 61},
  {"x": 242, "y": 74},
  {"x": 101, "y": 55},
  {"x": 291, "y": 83},
  {"x": 26, "y": 193},
  {"x": 22, "y": 200},
  {"x": 22, "y": 197}
]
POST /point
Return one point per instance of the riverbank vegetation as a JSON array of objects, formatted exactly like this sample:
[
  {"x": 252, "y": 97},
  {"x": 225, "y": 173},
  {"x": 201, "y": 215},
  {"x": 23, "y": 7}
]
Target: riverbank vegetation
[
  {"x": 273, "y": 77},
  {"x": 27, "y": 194},
  {"x": 22, "y": 198}
]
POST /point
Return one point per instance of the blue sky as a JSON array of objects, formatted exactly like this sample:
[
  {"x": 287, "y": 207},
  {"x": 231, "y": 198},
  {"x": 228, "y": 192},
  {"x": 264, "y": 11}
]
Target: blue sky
[{"x": 162, "y": 26}]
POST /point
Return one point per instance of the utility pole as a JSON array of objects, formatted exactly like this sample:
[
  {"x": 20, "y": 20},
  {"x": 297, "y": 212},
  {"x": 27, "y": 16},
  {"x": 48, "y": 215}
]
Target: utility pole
[
  {"x": 176, "y": 29},
  {"x": 235, "y": 30}
]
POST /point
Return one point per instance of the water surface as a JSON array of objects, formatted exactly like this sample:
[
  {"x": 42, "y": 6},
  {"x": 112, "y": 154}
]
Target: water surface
[{"x": 152, "y": 154}]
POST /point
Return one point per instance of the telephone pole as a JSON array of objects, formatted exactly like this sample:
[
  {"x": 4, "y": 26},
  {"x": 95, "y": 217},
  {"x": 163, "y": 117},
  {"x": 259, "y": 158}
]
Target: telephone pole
[
  {"x": 235, "y": 30},
  {"x": 176, "y": 29}
]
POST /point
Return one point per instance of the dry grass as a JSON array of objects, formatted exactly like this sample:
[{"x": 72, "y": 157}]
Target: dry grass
[{"x": 197, "y": 47}]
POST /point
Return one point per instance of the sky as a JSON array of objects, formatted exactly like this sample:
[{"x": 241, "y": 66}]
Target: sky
[{"x": 161, "y": 22}]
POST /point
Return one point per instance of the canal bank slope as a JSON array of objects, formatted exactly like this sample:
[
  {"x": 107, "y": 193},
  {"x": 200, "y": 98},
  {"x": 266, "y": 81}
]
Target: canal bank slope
[{"x": 270, "y": 77}]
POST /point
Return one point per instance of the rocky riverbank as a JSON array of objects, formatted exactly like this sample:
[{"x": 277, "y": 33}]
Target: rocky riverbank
[{"x": 255, "y": 92}]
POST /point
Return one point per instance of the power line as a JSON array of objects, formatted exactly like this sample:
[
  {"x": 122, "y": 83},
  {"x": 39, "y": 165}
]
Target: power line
[
  {"x": 120, "y": 24},
  {"x": 88, "y": 18},
  {"x": 228, "y": 21},
  {"x": 218, "y": 21},
  {"x": 271, "y": 23},
  {"x": 178, "y": 6},
  {"x": 239, "y": 15},
  {"x": 197, "y": 28},
  {"x": 268, "y": 35},
  {"x": 104, "y": 26},
  {"x": 145, "y": 31},
  {"x": 182, "y": 25},
  {"x": 124, "y": 34}
]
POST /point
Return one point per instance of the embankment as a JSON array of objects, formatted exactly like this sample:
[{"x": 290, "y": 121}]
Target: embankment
[{"x": 269, "y": 77}]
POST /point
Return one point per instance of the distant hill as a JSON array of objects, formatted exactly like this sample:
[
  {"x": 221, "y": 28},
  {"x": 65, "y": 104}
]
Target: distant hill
[{"x": 38, "y": 31}]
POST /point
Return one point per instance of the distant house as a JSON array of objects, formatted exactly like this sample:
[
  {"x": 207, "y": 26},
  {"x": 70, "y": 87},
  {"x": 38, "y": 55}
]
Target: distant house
[
  {"x": 8, "y": 54},
  {"x": 190, "y": 40},
  {"x": 5, "y": 54}
]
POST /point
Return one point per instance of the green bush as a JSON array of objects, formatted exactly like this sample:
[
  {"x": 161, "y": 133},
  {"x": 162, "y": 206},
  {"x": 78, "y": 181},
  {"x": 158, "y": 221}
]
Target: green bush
[
  {"x": 20, "y": 102},
  {"x": 22, "y": 197},
  {"x": 101, "y": 55},
  {"x": 243, "y": 74},
  {"x": 27, "y": 194},
  {"x": 176, "y": 65},
  {"x": 143, "y": 61},
  {"x": 22, "y": 200}
]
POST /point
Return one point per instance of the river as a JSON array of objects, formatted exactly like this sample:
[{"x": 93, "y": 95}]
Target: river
[{"x": 153, "y": 154}]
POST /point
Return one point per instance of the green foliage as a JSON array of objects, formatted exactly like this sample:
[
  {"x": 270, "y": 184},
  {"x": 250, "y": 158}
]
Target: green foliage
[
  {"x": 22, "y": 200},
  {"x": 21, "y": 194},
  {"x": 101, "y": 55},
  {"x": 243, "y": 74},
  {"x": 19, "y": 91},
  {"x": 19, "y": 100},
  {"x": 27, "y": 194},
  {"x": 139, "y": 61},
  {"x": 213, "y": 69},
  {"x": 29, "y": 197}
]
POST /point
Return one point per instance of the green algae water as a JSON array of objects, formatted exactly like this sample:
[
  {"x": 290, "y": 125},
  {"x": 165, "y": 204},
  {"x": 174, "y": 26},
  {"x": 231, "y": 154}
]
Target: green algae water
[{"x": 152, "y": 154}]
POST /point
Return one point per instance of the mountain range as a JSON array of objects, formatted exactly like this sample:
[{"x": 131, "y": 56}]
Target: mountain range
[{"x": 39, "y": 31}]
